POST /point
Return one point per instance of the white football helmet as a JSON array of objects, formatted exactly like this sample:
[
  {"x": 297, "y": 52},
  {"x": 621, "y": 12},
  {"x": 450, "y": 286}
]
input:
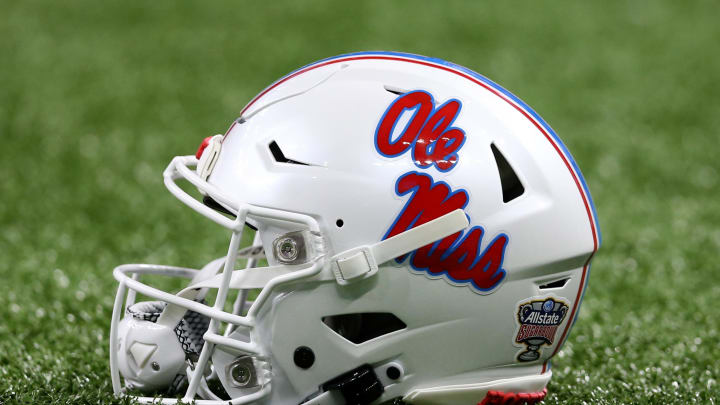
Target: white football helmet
[{"x": 428, "y": 240}]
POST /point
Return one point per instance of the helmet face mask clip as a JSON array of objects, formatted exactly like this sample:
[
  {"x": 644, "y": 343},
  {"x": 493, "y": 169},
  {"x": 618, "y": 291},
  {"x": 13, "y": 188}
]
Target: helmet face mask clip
[
  {"x": 297, "y": 247},
  {"x": 402, "y": 247}
]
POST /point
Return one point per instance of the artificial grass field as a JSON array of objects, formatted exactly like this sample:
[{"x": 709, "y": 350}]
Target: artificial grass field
[{"x": 97, "y": 97}]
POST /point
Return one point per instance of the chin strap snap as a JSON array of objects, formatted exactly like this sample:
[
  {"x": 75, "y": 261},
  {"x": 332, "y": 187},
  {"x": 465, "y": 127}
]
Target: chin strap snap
[{"x": 362, "y": 262}]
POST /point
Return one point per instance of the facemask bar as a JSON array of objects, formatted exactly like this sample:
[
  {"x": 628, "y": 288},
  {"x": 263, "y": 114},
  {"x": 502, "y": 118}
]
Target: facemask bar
[
  {"x": 241, "y": 300},
  {"x": 178, "y": 305}
]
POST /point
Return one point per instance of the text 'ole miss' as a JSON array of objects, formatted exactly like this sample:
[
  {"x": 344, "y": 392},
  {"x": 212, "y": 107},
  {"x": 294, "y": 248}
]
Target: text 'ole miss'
[{"x": 434, "y": 142}]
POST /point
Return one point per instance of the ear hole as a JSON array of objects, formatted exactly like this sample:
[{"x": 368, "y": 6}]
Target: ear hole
[
  {"x": 512, "y": 188},
  {"x": 359, "y": 328}
]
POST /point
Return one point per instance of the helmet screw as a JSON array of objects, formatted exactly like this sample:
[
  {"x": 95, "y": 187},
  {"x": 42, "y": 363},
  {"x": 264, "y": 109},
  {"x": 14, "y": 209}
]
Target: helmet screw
[
  {"x": 287, "y": 249},
  {"x": 155, "y": 366},
  {"x": 240, "y": 374}
]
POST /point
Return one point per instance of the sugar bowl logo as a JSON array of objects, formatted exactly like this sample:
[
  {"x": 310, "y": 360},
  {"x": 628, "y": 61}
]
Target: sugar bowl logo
[{"x": 538, "y": 321}]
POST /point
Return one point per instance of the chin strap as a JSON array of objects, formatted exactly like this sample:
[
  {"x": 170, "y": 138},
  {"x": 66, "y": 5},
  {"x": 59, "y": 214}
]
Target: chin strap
[
  {"x": 347, "y": 267},
  {"x": 172, "y": 314},
  {"x": 362, "y": 262}
]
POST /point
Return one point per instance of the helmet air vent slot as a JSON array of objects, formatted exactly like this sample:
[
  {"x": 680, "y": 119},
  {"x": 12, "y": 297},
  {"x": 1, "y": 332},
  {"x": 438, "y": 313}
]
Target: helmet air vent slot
[
  {"x": 361, "y": 327},
  {"x": 395, "y": 90},
  {"x": 555, "y": 284},
  {"x": 280, "y": 157},
  {"x": 512, "y": 188}
]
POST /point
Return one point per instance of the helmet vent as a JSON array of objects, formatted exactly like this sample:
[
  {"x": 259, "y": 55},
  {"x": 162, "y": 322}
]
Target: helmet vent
[
  {"x": 394, "y": 90},
  {"x": 555, "y": 284},
  {"x": 361, "y": 327},
  {"x": 512, "y": 188},
  {"x": 280, "y": 156}
]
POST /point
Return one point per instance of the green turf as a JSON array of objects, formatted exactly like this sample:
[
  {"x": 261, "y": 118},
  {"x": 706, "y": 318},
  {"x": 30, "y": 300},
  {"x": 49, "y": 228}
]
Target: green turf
[{"x": 96, "y": 97}]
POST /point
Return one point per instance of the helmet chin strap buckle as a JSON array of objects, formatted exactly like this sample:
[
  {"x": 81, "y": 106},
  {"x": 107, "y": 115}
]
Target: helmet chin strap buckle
[
  {"x": 362, "y": 262},
  {"x": 354, "y": 264}
]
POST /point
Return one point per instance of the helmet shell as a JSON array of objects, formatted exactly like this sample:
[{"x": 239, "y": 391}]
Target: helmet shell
[{"x": 325, "y": 119}]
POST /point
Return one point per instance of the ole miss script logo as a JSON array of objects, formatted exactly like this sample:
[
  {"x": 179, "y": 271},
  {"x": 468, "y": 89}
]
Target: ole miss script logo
[{"x": 430, "y": 140}]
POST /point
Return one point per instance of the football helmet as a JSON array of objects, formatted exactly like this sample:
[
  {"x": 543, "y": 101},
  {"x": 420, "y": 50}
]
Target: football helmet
[{"x": 414, "y": 234}]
